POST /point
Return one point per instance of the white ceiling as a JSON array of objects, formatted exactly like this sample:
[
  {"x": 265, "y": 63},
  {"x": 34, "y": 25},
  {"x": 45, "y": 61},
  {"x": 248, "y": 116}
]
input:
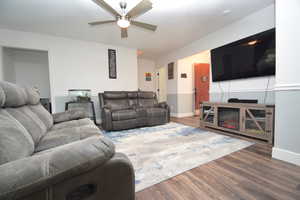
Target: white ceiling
[{"x": 179, "y": 21}]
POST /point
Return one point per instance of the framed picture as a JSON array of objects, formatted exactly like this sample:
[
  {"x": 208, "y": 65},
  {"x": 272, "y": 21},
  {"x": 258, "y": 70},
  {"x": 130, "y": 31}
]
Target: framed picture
[
  {"x": 171, "y": 71},
  {"x": 183, "y": 75},
  {"x": 148, "y": 76},
  {"x": 112, "y": 63}
]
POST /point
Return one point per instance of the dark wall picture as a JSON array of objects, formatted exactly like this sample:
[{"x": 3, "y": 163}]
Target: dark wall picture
[
  {"x": 171, "y": 71},
  {"x": 184, "y": 75},
  {"x": 112, "y": 63}
]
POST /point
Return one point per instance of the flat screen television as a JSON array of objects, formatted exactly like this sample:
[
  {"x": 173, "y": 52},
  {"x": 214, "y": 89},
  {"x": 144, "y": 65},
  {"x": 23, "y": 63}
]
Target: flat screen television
[{"x": 250, "y": 57}]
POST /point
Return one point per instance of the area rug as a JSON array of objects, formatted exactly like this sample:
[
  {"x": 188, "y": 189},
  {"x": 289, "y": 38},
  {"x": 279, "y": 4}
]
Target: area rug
[{"x": 161, "y": 152}]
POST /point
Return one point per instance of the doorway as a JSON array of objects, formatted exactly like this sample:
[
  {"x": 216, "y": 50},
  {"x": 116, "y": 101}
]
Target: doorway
[
  {"x": 28, "y": 67},
  {"x": 162, "y": 84},
  {"x": 202, "y": 80}
]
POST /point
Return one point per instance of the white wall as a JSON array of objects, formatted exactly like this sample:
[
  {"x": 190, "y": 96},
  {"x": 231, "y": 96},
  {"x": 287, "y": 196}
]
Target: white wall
[
  {"x": 186, "y": 65},
  {"x": 1, "y": 63},
  {"x": 287, "y": 137},
  {"x": 77, "y": 64},
  {"x": 255, "y": 23},
  {"x": 31, "y": 68},
  {"x": 8, "y": 69},
  {"x": 245, "y": 27},
  {"x": 146, "y": 66}
]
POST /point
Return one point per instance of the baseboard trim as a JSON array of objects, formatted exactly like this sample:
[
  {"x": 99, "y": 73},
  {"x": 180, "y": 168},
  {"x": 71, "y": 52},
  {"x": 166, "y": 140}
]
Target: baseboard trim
[
  {"x": 285, "y": 155},
  {"x": 181, "y": 115},
  {"x": 287, "y": 87}
]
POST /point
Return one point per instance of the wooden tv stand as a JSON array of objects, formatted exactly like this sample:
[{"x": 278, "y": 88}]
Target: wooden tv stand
[{"x": 252, "y": 120}]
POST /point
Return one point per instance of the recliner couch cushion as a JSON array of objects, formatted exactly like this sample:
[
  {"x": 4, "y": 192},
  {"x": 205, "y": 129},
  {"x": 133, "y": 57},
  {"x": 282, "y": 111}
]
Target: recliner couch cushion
[
  {"x": 64, "y": 136},
  {"x": 2, "y": 97},
  {"x": 147, "y": 99},
  {"x": 43, "y": 115},
  {"x": 123, "y": 115},
  {"x": 156, "y": 112},
  {"x": 33, "y": 96},
  {"x": 14, "y": 96},
  {"x": 15, "y": 141},
  {"x": 73, "y": 123},
  {"x": 30, "y": 121},
  {"x": 116, "y": 100},
  {"x": 133, "y": 98}
]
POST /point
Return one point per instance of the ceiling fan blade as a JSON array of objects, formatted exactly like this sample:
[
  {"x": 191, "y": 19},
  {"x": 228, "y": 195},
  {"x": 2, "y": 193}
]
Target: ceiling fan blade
[
  {"x": 140, "y": 9},
  {"x": 144, "y": 25},
  {"x": 101, "y": 22},
  {"x": 124, "y": 33},
  {"x": 106, "y": 7}
]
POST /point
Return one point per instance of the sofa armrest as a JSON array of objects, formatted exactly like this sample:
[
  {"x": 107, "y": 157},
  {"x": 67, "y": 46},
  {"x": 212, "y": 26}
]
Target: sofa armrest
[
  {"x": 106, "y": 117},
  {"x": 162, "y": 105},
  {"x": 167, "y": 107},
  {"x": 69, "y": 115},
  {"x": 29, "y": 175}
]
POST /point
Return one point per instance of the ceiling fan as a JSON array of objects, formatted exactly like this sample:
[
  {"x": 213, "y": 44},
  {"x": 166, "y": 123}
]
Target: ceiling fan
[{"x": 124, "y": 20}]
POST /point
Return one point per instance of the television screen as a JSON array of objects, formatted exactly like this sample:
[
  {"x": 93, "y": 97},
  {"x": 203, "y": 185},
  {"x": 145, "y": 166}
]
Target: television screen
[{"x": 250, "y": 57}]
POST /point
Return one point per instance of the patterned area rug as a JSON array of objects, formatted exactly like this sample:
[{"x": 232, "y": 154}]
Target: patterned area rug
[{"x": 161, "y": 152}]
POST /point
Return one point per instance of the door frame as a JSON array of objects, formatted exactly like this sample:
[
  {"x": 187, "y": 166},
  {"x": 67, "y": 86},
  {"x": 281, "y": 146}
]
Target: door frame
[{"x": 197, "y": 111}]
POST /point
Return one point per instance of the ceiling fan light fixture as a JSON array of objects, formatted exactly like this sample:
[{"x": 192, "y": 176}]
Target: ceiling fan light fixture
[{"x": 123, "y": 22}]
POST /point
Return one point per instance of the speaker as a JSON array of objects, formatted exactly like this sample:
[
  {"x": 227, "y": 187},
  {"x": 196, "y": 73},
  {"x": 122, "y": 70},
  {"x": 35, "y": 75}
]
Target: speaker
[{"x": 235, "y": 100}]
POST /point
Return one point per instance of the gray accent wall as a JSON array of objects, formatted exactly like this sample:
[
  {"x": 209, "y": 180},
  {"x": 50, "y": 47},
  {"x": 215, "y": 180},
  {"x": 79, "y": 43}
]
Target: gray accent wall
[
  {"x": 287, "y": 133},
  {"x": 186, "y": 103},
  {"x": 172, "y": 102}
]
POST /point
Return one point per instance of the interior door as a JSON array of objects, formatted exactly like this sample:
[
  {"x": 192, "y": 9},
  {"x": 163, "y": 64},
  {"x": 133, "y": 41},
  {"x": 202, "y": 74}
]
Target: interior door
[
  {"x": 162, "y": 84},
  {"x": 201, "y": 71}
]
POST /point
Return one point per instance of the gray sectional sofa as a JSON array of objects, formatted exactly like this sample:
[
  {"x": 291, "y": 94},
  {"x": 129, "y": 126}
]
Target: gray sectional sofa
[
  {"x": 125, "y": 110},
  {"x": 56, "y": 157}
]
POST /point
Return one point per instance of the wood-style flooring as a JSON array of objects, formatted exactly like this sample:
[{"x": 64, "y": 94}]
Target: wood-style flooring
[{"x": 250, "y": 173}]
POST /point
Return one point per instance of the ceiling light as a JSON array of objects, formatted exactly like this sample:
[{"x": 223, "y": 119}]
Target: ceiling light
[
  {"x": 226, "y": 12},
  {"x": 254, "y": 42},
  {"x": 123, "y": 22}
]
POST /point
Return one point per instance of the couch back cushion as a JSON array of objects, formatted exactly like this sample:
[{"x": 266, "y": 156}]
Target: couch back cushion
[
  {"x": 116, "y": 100},
  {"x": 24, "y": 105},
  {"x": 133, "y": 98},
  {"x": 15, "y": 141},
  {"x": 43, "y": 115},
  {"x": 147, "y": 99},
  {"x": 2, "y": 97},
  {"x": 30, "y": 121},
  {"x": 15, "y": 96}
]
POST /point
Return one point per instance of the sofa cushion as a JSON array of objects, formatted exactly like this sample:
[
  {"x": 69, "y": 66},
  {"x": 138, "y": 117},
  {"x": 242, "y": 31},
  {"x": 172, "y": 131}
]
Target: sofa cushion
[
  {"x": 33, "y": 96},
  {"x": 146, "y": 95},
  {"x": 15, "y": 141},
  {"x": 147, "y": 99},
  {"x": 42, "y": 171},
  {"x": 2, "y": 97},
  {"x": 55, "y": 138},
  {"x": 123, "y": 115},
  {"x": 133, "y": 98},
  {"x": 73, "y": 123},
  {"x": 43, "y": 114},
  {"x": 114, "y": 95},
  {"x": 30, "y": 121},
  {"x": 116, "y": 100},
  {"x": 147, "y": 103},
  {"x": 156, "y": 112},
  {"x": 15, "y": 96}
]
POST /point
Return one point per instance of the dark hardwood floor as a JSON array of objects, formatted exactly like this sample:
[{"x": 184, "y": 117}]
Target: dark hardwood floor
[{"x": 250, "y": 173}]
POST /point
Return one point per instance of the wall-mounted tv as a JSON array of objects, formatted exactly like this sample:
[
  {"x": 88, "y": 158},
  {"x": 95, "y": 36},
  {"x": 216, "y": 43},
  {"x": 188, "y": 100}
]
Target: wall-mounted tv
[{"x": 250, "y": 57}]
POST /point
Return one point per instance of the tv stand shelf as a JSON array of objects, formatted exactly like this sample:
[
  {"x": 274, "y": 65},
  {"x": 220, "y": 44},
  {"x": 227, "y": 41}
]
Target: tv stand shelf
[{"x": 252, "y": 120}]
